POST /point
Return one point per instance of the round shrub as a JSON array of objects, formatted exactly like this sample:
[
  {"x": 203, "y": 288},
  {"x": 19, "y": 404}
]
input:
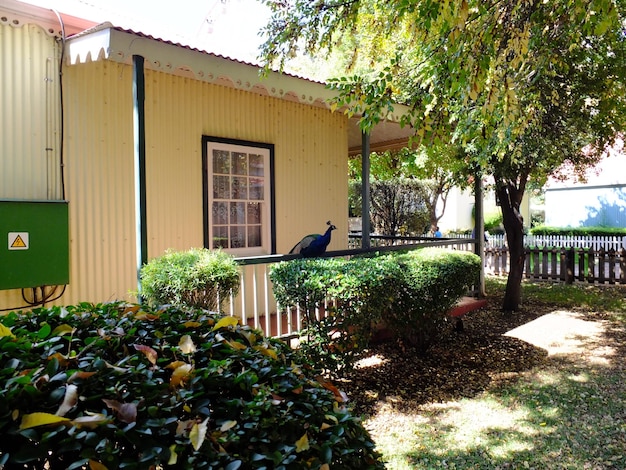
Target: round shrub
[
  {"x": 360, "y": 289},
  {"x": 118, "y": 386},
  {"x": 195, "y": 278},
  {"x": 434, "y": 280}
]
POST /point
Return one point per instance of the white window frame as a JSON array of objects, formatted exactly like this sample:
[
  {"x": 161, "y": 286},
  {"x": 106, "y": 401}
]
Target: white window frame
[{"x": 229, "y": 223}]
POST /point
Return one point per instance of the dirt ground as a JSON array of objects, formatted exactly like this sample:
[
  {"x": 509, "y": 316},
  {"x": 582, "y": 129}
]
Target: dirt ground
[{"x": 493, "y": 347}]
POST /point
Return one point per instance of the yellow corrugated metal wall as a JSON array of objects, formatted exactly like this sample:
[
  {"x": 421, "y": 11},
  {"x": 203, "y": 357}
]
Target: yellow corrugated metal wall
[
  {"x": 310, "y": 159},
  {"x": 100, "y": 181},
  {"x": 310, "y": 168},
  {"x": 29, "y": 114},
  {"x": 29, "y": 121}
]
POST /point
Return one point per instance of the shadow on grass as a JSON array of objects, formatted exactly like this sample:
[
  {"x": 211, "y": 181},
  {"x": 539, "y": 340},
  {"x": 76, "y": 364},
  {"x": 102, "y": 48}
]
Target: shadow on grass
[
  {"x": 561, "y": 417},
  {"x": 485, "y": 400}
]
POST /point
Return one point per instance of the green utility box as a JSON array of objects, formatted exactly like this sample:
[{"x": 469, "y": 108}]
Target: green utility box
[{"x": 34, "y": 244}]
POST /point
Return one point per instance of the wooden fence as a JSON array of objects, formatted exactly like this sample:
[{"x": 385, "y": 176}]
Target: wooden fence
[{"x": 567, "y": 264}]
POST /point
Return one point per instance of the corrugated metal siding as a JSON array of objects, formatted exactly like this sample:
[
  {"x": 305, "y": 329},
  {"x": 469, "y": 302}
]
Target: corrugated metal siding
[
  {"x": 310, "y": 159},
  {"x": 310, "y": 167},
  {"x": 100, "y": 181},
  {"x": 29, "y": 114}
]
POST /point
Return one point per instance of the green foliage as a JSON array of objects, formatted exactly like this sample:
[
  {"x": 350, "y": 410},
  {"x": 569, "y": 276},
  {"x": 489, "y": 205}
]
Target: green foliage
[
  {"x": 431, "y": 169},
  {"x": 408, "y": 293},
  {"x": 128, "y": 388},
  {"x": 493, "y": 222},
  {"x": 579, "y": 231},
  {"x": 523, "y": 88},
  {"x": 194, "y": 278},
  {"x": 399, "y": 201},
  {"x": 398, "y": 204},
  {"x": 359, "y": 290},
  {"x": 434, "y": 280}
]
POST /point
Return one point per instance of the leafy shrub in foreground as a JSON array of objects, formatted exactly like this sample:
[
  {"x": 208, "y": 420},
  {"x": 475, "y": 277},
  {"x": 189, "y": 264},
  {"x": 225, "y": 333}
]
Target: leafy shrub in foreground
[
  {"x": 197, "y": 278},
  {"x": 118, "y": 387}
]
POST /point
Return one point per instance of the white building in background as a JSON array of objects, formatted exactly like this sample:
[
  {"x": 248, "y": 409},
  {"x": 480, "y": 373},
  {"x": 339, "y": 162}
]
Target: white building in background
[
  {"x": 599, "y": 201},
  {"x": 459, "y": 213}
]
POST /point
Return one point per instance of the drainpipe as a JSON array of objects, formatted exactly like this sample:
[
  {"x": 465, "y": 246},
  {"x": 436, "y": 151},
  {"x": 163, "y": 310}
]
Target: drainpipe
[
  {"x": 365, "y": 190},
  {"x": 139, "y": 136},
  {"x": 479, "y": 229}
]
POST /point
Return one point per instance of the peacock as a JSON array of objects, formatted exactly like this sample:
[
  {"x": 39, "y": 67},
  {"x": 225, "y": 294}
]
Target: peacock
[{"x": 314, "y": 244}]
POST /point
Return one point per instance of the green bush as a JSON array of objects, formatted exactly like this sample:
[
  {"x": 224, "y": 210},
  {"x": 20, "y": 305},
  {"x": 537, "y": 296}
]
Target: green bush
[
  {"x": 579, "y": 231},
  {"x": 493, "y": 222},
  {"x": 198, "y": 278},
  {"x": 435, "y": 280},
  {"x": 359, "y": 290},
  {"x": 118, "y": 387},
  {"x": 409, "y": 293}
]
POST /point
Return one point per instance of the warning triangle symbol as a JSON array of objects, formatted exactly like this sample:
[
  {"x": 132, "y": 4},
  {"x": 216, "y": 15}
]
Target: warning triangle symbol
[{"x": 18, "y": 243}]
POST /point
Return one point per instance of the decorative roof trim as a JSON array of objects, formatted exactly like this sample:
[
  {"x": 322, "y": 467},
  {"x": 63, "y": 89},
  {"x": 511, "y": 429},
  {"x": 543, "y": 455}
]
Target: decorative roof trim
[{"x": 111, "y": 43}]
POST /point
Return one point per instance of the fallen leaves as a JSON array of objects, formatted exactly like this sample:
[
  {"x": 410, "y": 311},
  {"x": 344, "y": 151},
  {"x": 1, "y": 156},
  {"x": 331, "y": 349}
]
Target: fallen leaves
[
  {"x": 198, "y": 434},
  {"x": 5, "y": 331},
  {"x": 462, "y": 365},
  {"x": 34, "y": 420},
  {"x": 69, "y": 400},
  {"x": 125, "y": 412},
  {"x": 187, "y": 345}
]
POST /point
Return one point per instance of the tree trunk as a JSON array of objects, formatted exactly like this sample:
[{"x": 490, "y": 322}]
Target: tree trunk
[
  {"x": 513, "y": 293},
  {"x": 510, "y": 199}
]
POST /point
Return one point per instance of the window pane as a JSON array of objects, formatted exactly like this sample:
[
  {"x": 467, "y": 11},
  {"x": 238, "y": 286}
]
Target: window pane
[
  {"x": 256, "y": 165},
  {"x": 254, "y": 235},
  {"x": 220, "y": 237},
  {"x": 254, "y": 213},
  {"x": 240, "y": 163},
  {"x": 220, "y": 213},
  {"x": 240, "y": 188},
  {"x": 237, "y": 237},
  {"x": 221, "y": 187},
  {"x": 238, "y": 177},
  {"x": 221, "y": 162},
  {"x": 238, "y": 213},
  {"x": 256, "y": 188}
]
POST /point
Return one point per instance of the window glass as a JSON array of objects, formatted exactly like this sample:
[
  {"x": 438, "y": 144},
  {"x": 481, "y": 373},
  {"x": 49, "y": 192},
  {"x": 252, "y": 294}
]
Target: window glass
[{"x": 238, "y": 198}]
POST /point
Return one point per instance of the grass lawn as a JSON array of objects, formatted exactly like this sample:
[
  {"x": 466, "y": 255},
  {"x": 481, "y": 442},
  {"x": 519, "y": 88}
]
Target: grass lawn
[{"x": 566, "y": 410}]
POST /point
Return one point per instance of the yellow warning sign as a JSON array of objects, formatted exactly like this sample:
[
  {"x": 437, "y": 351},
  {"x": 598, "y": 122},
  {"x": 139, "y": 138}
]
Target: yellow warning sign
[
  {"x": 18, "y": 240},
  {"x": 18, "y": 243}
]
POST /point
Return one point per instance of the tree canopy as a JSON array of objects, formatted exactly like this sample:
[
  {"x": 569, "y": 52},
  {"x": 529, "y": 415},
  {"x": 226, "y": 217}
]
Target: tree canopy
[{"x": 522, "y": 86}]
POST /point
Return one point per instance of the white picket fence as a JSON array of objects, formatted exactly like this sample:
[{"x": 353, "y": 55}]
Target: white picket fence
[{"x": 562, "y": 241}]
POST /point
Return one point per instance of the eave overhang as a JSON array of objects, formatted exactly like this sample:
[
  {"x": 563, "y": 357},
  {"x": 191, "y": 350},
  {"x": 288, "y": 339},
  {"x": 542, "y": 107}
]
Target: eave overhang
[
  {"x": 107, "y": 42},
  {"x": 111, "y": 43}
]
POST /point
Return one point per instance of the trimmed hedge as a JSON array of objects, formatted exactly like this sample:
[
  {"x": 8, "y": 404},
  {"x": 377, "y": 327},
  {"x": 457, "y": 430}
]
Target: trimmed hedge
[
  {"x": 197, "y": 278},
  {"x": 410, "y": 293},
  {"x": 579, "y": 231},
  {"x": 434, "y": 281},
  {"x": 119, "y": 386}
]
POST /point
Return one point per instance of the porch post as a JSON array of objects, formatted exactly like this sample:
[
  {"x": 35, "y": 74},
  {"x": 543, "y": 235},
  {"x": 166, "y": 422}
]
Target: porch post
[
  {"x": 479, "y": 229},
  {"x": 139, "y": 137},
  {"x": 365, "y": 190}
]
